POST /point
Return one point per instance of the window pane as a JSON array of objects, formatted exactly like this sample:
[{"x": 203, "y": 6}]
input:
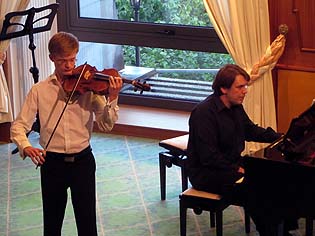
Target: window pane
[
  {"x": 101, "y": 55},
  {"x": 181, "y": 12},
  {"x": 172, "y": 74}
]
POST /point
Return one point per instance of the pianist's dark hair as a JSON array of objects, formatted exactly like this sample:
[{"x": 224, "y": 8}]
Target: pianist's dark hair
[{"x": 226, "y": 76}]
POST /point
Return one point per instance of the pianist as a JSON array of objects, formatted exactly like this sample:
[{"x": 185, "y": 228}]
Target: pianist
[{"x": 218, "y": 129}]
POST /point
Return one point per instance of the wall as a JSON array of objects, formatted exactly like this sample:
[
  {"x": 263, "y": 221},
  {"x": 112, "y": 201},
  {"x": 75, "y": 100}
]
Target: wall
[
  {"x": 294, "y": 75},
  {"x": 295, "y": 94}
]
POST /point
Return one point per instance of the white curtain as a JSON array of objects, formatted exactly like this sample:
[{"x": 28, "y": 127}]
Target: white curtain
[
  {"x": 243, "y": 27},
  {"x": 5, "y": 102},
  {"x": 20, "y": 60}
]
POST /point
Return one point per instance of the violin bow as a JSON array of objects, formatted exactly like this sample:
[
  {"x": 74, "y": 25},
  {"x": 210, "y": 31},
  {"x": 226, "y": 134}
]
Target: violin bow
[{"x": 64, "y": 108}]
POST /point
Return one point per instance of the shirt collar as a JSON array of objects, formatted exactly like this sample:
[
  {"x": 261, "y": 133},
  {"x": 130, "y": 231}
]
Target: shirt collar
[
  {"x": 53, "y": 79},
  {"x": 219, "y": 104}
]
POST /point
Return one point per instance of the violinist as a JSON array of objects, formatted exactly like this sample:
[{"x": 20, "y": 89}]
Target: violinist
[{"x": 68, "y": 161}]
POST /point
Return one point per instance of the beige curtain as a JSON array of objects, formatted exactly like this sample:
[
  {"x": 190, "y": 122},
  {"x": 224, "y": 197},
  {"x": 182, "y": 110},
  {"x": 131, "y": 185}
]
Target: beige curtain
[
  {"x": 243, "y": 27},
  {"x": 5, "y": 103},
  {"x": 19, "y": 60}
]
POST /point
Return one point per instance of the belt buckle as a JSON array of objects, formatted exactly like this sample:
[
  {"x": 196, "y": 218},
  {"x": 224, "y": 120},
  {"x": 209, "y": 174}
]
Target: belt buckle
[{"x": 69, "y": 159}]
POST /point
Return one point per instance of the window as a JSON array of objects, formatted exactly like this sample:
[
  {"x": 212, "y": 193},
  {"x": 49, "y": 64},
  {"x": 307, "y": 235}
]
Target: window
[{"x": 171, "y": 37}]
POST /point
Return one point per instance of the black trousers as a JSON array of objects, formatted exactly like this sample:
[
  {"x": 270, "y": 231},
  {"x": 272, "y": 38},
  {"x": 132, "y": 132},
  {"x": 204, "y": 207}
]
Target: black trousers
[
  {"x": 78, "y": 174},
  {"x": 216, "y": 181}
]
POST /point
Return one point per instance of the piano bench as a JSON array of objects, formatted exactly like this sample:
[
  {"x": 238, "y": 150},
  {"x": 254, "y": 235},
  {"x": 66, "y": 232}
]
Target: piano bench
[
  {"x": 175, "y": 154},
  {"x": 204, "y": 201}
]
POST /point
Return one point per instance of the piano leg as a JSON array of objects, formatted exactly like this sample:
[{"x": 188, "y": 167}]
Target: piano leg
[
  {"x": 309, "y": 226},
  {"x": 272, "y": 229},
  {"x": 281, "y": 229}
]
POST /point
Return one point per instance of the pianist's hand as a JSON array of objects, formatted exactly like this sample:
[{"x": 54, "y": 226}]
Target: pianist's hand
[{"x": 241, "y": 170}]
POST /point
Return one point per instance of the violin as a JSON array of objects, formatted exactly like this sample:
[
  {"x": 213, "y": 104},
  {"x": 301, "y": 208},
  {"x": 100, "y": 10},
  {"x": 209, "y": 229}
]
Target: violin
[{"x": 96, "y": 81}]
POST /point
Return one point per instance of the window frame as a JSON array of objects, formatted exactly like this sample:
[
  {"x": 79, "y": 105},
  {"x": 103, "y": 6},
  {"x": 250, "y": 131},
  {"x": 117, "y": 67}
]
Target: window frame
[{"x": 142, "y": 34}]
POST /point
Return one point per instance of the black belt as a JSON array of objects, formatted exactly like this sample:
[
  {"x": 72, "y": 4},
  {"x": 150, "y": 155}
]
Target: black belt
[{"x": 70, "y": 157}]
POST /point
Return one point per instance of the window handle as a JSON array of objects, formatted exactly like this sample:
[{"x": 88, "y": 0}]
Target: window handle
[{"x": 167, "y": 32}]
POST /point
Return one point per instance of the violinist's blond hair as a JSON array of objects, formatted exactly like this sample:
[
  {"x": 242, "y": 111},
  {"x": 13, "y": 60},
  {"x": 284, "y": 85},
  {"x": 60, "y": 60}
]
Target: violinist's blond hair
[{"x": 63, "y": 43}]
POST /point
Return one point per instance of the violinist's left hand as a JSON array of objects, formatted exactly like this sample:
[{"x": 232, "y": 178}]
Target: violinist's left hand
[{"x": 115, "y": 85}]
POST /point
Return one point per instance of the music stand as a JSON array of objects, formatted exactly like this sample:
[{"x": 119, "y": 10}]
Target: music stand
[
  {"x": 28, "y": 28},
  {"x": 11, "y": 30}
]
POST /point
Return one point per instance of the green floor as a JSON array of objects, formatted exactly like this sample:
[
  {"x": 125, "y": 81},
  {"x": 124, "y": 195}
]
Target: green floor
[{"x": 128, "y": 195}]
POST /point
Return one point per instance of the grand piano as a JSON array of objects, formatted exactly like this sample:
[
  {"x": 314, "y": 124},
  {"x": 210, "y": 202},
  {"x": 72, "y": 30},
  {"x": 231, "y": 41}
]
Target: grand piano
[{"x": 281, "y": 178}]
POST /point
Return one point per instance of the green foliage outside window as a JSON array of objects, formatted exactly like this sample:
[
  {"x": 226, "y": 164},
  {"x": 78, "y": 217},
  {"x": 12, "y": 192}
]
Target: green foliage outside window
[{"x": 180, "y": 12}]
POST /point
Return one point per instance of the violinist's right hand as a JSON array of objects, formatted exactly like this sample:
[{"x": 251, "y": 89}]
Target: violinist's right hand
[{"x": 37, "y": 155}]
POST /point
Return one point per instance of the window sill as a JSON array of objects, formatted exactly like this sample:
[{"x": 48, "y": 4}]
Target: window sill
[{"x": 150, "y": 122}]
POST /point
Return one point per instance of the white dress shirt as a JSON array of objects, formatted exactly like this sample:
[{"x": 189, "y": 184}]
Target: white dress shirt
[{"x": 76, "y": 124}]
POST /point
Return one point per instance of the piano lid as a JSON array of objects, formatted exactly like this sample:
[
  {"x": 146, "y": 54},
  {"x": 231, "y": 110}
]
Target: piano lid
[
  {"x": 300, "y": 137},
  {"x": 297, "y": 141}
]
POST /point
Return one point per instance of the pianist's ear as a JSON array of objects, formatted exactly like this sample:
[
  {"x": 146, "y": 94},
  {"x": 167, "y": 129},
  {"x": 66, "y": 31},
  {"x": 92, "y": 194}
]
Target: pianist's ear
[{"x": 224, "y": 91}]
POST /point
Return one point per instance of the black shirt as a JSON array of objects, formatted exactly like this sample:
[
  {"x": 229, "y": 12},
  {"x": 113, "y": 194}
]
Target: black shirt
[{"x": 217, "y": 136}]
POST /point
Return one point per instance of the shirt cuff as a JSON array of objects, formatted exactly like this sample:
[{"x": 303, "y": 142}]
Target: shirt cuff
[{"x": 21, "y": 148}]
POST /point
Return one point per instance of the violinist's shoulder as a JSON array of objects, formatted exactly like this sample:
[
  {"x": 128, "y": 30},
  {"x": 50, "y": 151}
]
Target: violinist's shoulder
[{"x": 44, "y": 84}]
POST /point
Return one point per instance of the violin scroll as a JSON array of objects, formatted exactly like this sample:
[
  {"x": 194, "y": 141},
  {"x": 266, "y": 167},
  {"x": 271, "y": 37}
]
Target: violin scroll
[{"x": 141, "y": 86}]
